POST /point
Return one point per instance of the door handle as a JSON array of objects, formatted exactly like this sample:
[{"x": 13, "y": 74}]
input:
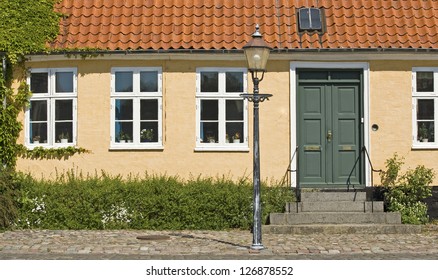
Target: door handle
[{"x": 329, "y": 136}]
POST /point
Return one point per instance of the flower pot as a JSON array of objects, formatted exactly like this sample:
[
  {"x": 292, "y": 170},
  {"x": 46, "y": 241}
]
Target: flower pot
[
  {"x": 36, "y": 142},
  {"x": 425, "y": 140},
  {"x": 64, "y": 141},
  {"x": 236, "y": 141}
]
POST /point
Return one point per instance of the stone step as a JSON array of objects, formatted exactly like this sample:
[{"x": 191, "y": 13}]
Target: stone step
[
  {"x": 334, "y": 218},
  {"x": 333, "y": 196},
  {"x": 343, "y": 229},
  {"x": 335, "y": 206}
]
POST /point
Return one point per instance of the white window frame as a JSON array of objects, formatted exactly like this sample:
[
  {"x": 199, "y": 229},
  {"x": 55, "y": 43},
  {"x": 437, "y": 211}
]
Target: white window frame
[
  {"x": 136, "y": 96},
  {"x": 221, "y": 96},
  {"x": 51, "y": 97},
  {"x": 433, "y": 95}
]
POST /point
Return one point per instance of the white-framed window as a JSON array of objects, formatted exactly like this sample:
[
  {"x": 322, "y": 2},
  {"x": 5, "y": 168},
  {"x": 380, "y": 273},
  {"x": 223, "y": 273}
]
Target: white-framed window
[
  {"x": 51, "y": 117},
  {"x": 221, "y": 113},
  {"x": 136, "y": 108},
  {"x": 424, "y": 106}
]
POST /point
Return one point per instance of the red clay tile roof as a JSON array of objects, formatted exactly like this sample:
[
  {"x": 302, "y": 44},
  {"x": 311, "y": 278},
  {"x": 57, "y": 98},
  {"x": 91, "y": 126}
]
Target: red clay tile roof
[{"x": 228, "y": 24}]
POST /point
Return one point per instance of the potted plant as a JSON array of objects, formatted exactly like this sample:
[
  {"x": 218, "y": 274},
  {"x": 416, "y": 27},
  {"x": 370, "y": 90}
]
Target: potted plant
[
  {"x": 147, "y": 135},
  {"x": 236, "y": 137},
  {"x": 227, "y": 138},
  {"x": 423, "y": 133},
  {"x": 36, "y": 139},
  {"x": 210, "y": 137},
  {"x": 63, "y": 137},
  {"x": 123, "y": 137}
]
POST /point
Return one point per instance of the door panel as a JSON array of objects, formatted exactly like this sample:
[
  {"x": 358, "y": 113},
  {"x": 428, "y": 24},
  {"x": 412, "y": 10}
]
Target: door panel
[
  {"x": 346, "y": 142},
  {"x": 312, "y": 120},
  {"x": 329, "y": 132}
]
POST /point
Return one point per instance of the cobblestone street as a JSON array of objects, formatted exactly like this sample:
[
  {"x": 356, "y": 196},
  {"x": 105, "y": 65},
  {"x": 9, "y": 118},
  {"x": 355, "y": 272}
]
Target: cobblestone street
[{"x": 127, "y": 244}]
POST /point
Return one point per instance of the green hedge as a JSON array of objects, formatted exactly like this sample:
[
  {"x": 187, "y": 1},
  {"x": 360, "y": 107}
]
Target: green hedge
[
  {"x": 8, "y": 196},
  {"x": 150, "y": 202}
]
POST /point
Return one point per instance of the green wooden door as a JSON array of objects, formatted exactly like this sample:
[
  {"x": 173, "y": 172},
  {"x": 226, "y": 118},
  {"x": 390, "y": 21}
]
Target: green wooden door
[{"x": 329, "y": 128}]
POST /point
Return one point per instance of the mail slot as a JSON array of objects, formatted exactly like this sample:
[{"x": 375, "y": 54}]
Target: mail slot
[
  {"x": 312, "y": 148},
  {"x": 346, "y": 148}
]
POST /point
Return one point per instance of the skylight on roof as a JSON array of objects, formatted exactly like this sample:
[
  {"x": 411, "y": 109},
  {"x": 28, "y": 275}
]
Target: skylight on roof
[{"x": 310, "y": 19}]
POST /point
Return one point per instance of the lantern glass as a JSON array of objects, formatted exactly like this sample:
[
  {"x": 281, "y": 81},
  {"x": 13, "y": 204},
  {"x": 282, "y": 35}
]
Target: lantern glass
[{"x": 257, "y": 57}]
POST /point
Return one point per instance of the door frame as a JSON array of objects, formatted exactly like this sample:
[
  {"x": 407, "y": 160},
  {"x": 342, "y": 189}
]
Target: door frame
[{"x": 294, "y": 65}]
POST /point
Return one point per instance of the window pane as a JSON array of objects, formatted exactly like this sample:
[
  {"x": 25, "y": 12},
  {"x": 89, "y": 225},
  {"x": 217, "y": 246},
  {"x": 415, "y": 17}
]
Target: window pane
[
  {"x": 315, "y": 19},
  {"x": 425, "y": 82},
  {"x": 149, "y": 109},
  {"x": 304, "y": 18},
  {"x": 345, "y": 75},
  {"x": 149, "y": 132},
  {"x": 209, "y": 132},
  {"x": 149, "y": 81},
  {"x": 313, "y": 75},
  {"x": 234, "y": 81},
  {"x": 124, "y": 81},
  {"x": 64, "y": 81},
  {"x": 39, "y": 82},
  {"x": 124, "y": 132},
  {"x": 38, "y": 133},
  {"x": 234, "y": 110},
  {"x": 209, "y": 81},
  {"x": 63, "y": 110},
  {"x": 38, "y": 111},
  {"x": 425, "y": 109},
  {"x": 234, "y": 132},
  {"x": 209, "y": 110},
  {"x": 124, "y": 109},
  {"x": 64, "y": 130}
]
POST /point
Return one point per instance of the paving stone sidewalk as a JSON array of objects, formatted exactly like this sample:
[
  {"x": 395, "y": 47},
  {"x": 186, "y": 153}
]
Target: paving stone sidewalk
[{"x": 130, "y": 244}]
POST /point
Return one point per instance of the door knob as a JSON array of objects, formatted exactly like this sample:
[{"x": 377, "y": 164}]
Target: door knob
[{"x": 329, "y": 135}]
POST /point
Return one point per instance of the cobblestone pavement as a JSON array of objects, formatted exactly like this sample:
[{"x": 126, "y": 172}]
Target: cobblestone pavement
[{"x": 129, "y": 244}]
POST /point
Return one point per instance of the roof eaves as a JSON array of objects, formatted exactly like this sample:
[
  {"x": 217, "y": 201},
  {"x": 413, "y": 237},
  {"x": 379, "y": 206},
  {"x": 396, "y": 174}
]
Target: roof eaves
[
  {"x": 352, "y": 50},
  {"x": 233, "y": 51}
]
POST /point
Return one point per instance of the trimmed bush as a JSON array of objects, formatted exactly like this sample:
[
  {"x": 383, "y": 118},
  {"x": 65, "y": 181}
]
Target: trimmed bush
[
  {"x": 406, "y": 193},
  {"x": 151, "y": 202}
]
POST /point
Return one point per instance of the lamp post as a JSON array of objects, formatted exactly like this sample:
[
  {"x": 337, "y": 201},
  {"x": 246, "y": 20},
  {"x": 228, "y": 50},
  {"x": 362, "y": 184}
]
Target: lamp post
[{"x": 257, "y": 53}]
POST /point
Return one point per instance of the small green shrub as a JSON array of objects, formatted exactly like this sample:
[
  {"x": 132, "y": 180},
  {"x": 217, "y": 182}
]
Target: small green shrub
[
  {"x": 405, "y": 193},
  {"x": 151, "y": 202}
]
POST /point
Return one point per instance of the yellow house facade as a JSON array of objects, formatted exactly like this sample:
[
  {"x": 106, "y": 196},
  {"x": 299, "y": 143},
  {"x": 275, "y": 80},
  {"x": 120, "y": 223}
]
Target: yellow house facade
[
  {"x": 169, "y": 103},
  {"x": 388, "y": 105}
]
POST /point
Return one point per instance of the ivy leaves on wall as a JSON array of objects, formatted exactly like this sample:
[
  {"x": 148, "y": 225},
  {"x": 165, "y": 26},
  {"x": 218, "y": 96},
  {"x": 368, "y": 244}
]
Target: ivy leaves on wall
[{"x": 26, "y": 26}]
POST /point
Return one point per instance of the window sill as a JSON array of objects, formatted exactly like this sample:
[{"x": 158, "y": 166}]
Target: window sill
[
  {"x": 228, "y": 148},
  {"x": 157, "y": 147},
  {"x": 425, "y": 146},
  {"x": 47, "y": 146}
]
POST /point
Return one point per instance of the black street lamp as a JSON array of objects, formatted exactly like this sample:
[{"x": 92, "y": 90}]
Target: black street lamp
[{"x": 257, "y": 53}]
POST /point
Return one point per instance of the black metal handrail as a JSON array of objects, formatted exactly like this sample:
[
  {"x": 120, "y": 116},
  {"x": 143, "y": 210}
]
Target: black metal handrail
[
  {"x": 287, "y": 176},
  {"x": 365, "y": 151}
]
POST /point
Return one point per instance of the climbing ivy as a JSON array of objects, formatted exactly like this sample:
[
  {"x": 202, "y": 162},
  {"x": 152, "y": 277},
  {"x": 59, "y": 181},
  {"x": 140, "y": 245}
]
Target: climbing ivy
[
  {"x": 26, "y": 26},
  {"x": 52, "y": 153}
]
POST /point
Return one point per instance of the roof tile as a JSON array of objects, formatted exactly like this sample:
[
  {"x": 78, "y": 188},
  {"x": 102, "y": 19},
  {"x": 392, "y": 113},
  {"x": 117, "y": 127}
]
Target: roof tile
[{"x": 224, "y": 24}]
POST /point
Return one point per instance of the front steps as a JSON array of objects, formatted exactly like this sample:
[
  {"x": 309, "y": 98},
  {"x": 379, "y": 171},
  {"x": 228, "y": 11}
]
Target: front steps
[{"x": 336, "y": 213}]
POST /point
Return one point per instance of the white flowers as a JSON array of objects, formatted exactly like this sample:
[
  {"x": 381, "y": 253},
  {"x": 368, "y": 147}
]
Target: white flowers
[{"x": 116, "y": 214}]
